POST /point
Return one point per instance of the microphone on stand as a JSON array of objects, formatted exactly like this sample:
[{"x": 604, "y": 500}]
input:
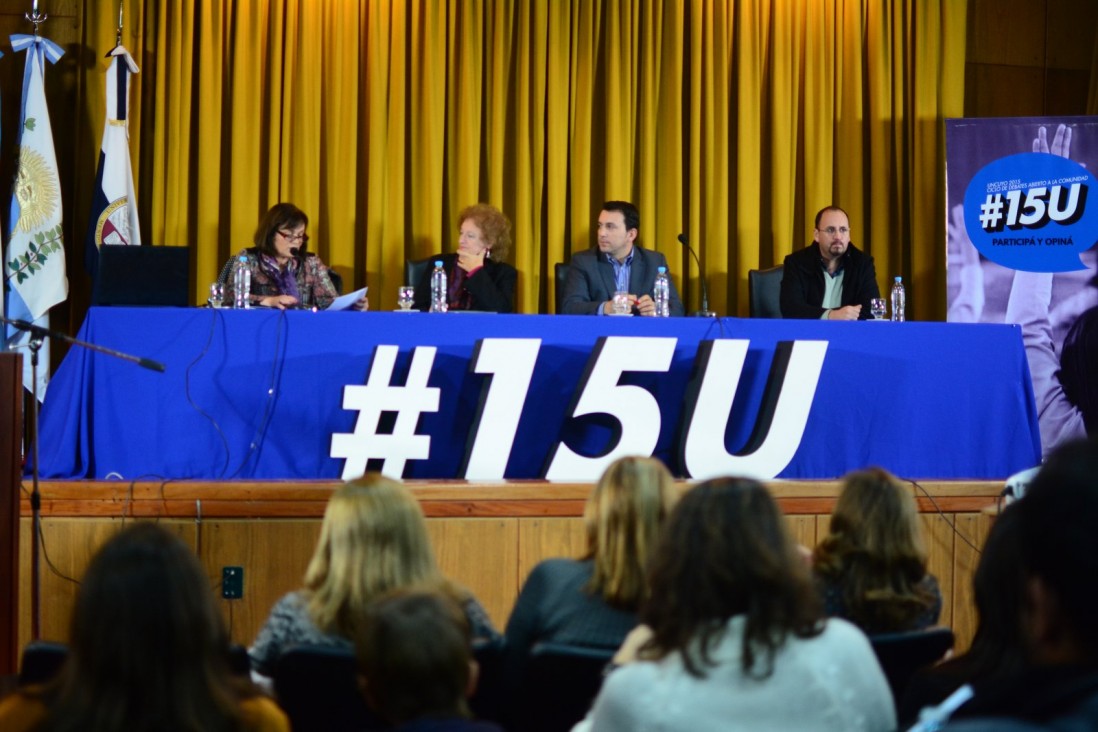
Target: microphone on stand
[{"x": 705, "y": 312}]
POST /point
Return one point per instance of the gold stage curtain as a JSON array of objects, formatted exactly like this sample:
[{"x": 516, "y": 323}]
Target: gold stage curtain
[{"x": 731, "y": 121}]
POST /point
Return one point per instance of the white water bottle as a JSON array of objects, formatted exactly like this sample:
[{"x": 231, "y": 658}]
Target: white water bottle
[
  {"x": 898, "y": 299},
  {"x": 242, "y": 283},
  {"x": 440, "y": 293},
  {"x": 661, "y": 293}
]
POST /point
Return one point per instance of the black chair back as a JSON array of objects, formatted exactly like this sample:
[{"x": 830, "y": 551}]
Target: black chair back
[
  {"x": 902, "y": 654},
  {"x": 415, "y": 270},
  {"x": 317, "y": 687},
  {"x": 489, "y": 700},
  {"x": 41, "y": 662},
  {"x": 764, "y": 287},
  {"x": 337, "y": 280},
  {"x": 560, "y": 271},
  {"x": 559, "y": 685}
]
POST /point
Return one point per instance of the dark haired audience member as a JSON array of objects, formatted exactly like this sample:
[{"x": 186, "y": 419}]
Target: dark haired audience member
[
  {"x": 871, "y": 567},
  {"x": 1058, "y": 547},
  {"x": 148, "y": 651},
  {"x": 413, "y": 650},
  {"x": 733, "y": 636},
  {"x": 996, "y": 651}
]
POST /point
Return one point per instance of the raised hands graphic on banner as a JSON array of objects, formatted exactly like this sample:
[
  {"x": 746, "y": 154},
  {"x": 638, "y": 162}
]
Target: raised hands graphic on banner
[{"x": 1061, "y": 142}]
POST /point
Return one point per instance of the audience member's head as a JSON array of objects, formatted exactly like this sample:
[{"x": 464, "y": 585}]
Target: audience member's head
[
  {"x": 874, "y": 549},
  {"x": 147, "y": 642},
  {"x": 1079, "y": 367},
  {"x": 413, "y": 650},
  {"x": 997, "y": 588},
  {"x": 1058, "y": 531},
  {"x": 724, "y": 552},
  {"x": 623, "y": 518},
  {"x": 373, "y": 539}
]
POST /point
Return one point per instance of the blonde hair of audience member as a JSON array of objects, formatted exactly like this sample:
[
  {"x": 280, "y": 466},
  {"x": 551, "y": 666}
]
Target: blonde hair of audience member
[
  {"x": 724, "y": 552},
  {"x": 875, "y": 549},
  {"x": 148, "y": 649},
  {"x": 623, "y": 517},
  {"x": 406, "y": 678},
  {"x": 373, "y": 540}
]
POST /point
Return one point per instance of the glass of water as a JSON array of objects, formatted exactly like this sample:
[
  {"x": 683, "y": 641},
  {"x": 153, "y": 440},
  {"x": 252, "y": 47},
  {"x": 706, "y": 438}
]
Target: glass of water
[
  {"x": 620, "y": 303},
  {"x": 877, "y": 308},
  {"x": 406, "y": 295},
  {"x": 217, "y": 295}
]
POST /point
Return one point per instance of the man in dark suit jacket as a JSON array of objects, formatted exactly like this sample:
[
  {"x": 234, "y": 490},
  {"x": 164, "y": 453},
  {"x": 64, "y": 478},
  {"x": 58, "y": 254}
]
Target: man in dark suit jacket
[
  {"x": 811, "y": 284},
  {"x": 618, "y": 264}
]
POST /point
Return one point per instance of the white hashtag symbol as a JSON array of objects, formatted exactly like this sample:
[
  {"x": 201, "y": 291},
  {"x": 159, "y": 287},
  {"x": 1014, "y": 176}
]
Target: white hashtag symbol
[
  {"x": 991, "y": 211},
  {"x": 377, "y": 396}
]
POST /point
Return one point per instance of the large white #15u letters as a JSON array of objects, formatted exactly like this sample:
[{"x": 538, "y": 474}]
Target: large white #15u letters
[{"x": 777, "y": 433}]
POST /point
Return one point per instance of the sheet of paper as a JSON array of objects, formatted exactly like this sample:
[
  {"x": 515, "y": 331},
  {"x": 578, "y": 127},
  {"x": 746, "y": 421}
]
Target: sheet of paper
[{"x": 346, "y": 302}]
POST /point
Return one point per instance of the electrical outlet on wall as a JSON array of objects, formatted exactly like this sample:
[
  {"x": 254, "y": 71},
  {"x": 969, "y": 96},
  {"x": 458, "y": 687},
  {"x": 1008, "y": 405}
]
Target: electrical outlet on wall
[{"x": 232, "y": 583}]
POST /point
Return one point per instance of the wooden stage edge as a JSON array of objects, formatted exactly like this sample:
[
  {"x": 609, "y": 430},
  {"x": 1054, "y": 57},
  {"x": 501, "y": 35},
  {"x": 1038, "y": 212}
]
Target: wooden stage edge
[{"x": 446, "y": 498}]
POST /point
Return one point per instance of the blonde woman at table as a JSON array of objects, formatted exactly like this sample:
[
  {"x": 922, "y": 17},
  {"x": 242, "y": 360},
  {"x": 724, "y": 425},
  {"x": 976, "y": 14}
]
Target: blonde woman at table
[
  {"x": 284, "y": 273},
  {"x": 373, "y": 540},
  {"x": 476, "y": 275}
]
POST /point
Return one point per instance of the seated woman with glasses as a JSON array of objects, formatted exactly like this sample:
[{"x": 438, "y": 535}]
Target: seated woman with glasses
[
  {"x": 476, "y": 275},
  {"x": 284, "y": 273}
]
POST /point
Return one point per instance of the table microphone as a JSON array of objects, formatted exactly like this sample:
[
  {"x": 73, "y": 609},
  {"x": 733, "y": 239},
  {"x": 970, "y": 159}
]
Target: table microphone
[{"x": 705, "y": 312}]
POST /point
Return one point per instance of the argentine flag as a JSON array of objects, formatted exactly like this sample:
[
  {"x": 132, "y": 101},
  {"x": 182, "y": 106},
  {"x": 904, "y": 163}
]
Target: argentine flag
[{"x": 34, "y": 260}]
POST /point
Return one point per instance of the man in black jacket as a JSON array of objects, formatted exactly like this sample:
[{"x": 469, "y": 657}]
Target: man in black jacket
[{"x": 832, "y": 280}]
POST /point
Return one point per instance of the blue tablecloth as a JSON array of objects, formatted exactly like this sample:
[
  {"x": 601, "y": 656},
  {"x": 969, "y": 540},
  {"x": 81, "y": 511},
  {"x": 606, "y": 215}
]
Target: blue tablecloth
[{"x": 259, "y": 394}]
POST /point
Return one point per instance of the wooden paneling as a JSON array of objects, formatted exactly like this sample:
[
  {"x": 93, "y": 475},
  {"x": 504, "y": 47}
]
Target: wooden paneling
[
  {"x": 481, "y": 554},
  {"x": 1006, "y": 32},
  {"x": 550, "y": 537},
  {"x": 500, "y": 532},
  {"x": 1029, "y": 57}
]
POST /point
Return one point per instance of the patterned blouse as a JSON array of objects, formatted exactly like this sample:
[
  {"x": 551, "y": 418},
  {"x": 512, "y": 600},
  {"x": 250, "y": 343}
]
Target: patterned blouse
[
  {"x": 305, "y": 278},
  {"x": 289, "y": 624}
]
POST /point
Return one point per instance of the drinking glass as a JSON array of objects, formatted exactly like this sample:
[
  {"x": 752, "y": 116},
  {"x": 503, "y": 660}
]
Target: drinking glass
[
  {"x": 217, "y": 295},
  {"x": 406, "y": 295},
  {"x": 877, "y": 308},
  {"x": 620, "y": 303}
]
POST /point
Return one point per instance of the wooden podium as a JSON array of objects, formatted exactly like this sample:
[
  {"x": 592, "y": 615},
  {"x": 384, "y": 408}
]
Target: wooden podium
[{"x": 11, "y": 469}]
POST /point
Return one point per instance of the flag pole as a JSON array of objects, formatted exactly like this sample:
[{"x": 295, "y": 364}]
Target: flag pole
[
  {"x": 118, "y": 37},
  {"x": 35, "y": 17}
]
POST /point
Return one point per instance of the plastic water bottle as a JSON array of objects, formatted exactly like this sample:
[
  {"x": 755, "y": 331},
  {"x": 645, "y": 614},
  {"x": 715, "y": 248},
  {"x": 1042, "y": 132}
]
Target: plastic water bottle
[
  {"x": 440, "y": 291},
  {"x": 661, "y": 293},
  {"x": 242, "y": 283},
  {"x": 898, "y": 299}
]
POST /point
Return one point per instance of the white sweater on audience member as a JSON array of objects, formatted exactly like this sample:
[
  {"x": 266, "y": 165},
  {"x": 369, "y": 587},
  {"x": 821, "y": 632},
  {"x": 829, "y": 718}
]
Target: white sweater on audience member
[{"x": 830, "y": 682}]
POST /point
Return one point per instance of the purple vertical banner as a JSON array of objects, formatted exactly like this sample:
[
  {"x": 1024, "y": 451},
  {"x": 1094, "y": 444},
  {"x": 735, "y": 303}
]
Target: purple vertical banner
[{"x": 1022, "y": 223}]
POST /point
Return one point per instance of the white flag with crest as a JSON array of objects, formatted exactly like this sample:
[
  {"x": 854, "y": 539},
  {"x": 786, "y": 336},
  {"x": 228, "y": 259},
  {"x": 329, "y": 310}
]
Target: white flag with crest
[{"x": 34, "y": 261}]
